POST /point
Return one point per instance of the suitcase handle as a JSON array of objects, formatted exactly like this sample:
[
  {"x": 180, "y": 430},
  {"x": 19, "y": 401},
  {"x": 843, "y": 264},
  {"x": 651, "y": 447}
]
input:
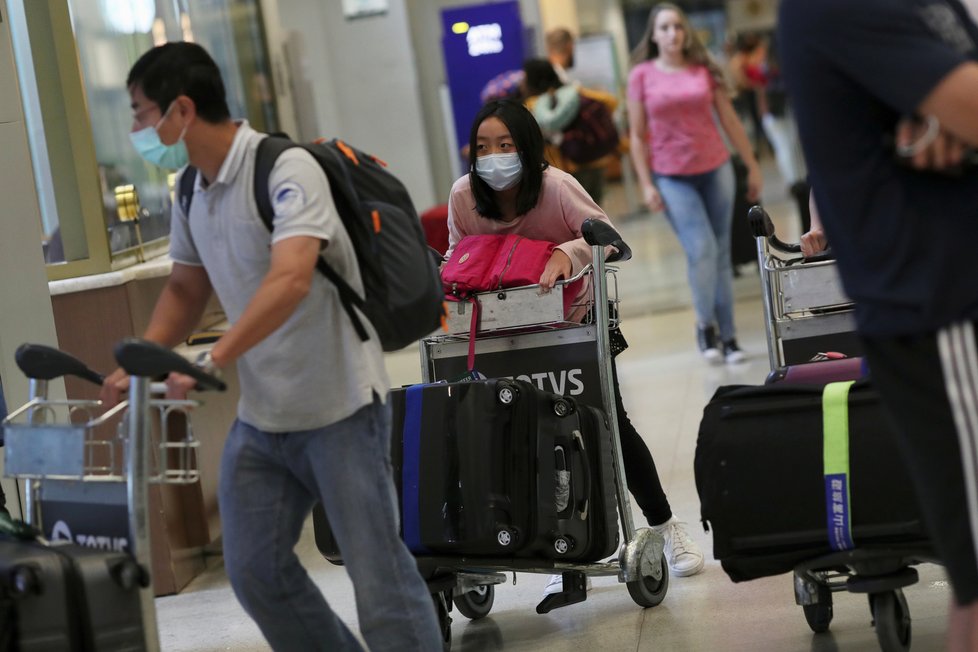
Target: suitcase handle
[{"x": 582, "y": 505}]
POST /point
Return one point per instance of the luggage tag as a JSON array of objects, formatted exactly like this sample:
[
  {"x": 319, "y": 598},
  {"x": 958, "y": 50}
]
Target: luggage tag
[
  {"x": 835, "y": 464},
  {"x": 467, "y": 377}
]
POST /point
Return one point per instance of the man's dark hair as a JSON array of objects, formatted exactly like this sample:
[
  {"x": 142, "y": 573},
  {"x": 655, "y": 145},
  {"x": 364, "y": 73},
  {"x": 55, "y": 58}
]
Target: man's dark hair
[
  {"x": 181, "y": 68},
  {"x": 540, "y": 76},
  {"x": 528, "y": 139}
]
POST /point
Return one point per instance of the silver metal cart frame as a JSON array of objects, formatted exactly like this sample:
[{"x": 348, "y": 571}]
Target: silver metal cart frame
[
  {"x": 803, "y": 298},
  {"x": 521, "y": 319},
  {"x": 52, "y": 440}
]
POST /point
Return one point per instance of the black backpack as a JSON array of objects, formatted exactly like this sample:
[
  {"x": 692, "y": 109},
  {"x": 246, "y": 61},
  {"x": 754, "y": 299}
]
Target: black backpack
[
  {"x": 591, "y": 135},
  {"x": 404, "y": 298}
]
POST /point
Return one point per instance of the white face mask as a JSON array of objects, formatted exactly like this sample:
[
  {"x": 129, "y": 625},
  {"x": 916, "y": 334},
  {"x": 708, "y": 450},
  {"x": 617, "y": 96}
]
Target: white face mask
[{"x": 500, "y": 171}]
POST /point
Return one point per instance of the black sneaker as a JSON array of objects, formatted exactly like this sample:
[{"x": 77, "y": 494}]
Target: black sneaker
[
  {"x": 732, "y": 353},
  {"x": 706, "y": 338}
]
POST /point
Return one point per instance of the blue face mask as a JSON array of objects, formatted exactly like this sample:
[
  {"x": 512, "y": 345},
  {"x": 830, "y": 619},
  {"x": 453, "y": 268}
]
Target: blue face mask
[
  {"x": 500, "y": 171},
  {"x": 148, "y": 145}
]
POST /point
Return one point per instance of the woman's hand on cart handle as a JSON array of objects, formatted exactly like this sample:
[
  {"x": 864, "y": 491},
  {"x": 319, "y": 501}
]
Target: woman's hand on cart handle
[
  {"x": 40, "y": 362},
  {"x": 559, "y": 266},
  {"x": 600, "y": 233},
  {"x": 148, "y": 359}
]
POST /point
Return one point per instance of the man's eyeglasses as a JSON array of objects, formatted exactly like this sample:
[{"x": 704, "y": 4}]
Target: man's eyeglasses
[{"x": 137, "y": 116}]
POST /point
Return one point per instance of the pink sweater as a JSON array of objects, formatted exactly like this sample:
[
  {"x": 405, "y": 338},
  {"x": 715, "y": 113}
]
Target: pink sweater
[
  {"x": 682, "y": 133},
  {"x": 562, "y": 208}
]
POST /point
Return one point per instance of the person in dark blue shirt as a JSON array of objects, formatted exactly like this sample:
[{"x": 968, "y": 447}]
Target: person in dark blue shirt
[{"x": 904, "y": 237}]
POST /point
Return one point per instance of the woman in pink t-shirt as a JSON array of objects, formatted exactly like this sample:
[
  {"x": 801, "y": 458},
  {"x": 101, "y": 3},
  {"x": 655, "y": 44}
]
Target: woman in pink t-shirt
[
  {"x": 511, "y": 189},
  {"x": 682, "y": 163}
]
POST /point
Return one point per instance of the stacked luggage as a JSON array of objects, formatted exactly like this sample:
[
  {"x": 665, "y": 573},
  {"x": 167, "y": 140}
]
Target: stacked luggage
[
  {"x": 804, "y": 474},
  {"x": 498, "y": 475},
  {"x": 498, "y": 468}
]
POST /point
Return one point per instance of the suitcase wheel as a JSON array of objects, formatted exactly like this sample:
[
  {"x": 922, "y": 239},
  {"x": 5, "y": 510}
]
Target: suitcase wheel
[
  {"x": 25, "y": 581},
  {"x": 563, "y": 407},
  {"x": 505, "y": 537},
  {"x": 563, "y": 545},
  {"x": 129, "y": 575},
  {"x": 506, "y": 394}
]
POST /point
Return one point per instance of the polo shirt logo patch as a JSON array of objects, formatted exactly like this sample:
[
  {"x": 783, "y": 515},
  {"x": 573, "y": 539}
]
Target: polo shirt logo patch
[
  {"x": 288, "y": 198},
  {"x": 946, "y": 25}
]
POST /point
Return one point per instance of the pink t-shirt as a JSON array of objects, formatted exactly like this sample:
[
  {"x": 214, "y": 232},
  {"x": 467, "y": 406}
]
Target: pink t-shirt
[
  {"x": 682, "y": 133},
  {"x": 560, "y": 211}
]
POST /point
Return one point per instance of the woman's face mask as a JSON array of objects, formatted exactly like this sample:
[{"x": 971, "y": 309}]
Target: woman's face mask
[
  {"x": 149, "y": 146},
  {"x": 500, "y": 171}
]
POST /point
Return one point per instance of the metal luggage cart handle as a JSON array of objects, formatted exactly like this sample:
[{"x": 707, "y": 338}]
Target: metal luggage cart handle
[
  {"x": 761, "y": 226},
  {"x": 145, "y": 359},
  {"x": 516, "y": 308},
  {"x": 39, "y": 362}
]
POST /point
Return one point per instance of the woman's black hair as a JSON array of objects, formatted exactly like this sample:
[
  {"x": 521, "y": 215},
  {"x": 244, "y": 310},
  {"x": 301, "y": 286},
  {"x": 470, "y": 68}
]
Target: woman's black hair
[
  {"x": 181, "y": 68},
  {"x": 528, "y": 139},
  {"x": 540, "y": 76}
]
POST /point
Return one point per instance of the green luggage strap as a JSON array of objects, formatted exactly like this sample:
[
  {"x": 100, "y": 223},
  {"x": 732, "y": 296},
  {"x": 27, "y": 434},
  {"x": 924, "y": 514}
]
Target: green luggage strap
[{"x": 835, "y": 461}]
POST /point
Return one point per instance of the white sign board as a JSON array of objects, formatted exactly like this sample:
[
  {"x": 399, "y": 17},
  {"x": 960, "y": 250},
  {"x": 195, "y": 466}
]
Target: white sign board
[{"x": 358, "y": 8}]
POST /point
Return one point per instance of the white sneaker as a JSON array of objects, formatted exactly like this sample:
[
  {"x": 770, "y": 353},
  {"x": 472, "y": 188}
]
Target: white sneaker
[
  {"x": 682, "y": 554},
  {"x": 556, "y": 584}
]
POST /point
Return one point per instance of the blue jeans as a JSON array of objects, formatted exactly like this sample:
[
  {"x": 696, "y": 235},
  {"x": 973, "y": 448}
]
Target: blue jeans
[
  {"x": 700, "y": 210},
  {"x": 269, "y": 483}
]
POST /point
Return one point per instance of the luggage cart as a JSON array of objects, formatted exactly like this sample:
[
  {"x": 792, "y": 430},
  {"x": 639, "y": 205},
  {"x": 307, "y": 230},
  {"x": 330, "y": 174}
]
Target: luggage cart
[
  {"x": 524, "y": 334},
  {"x": 50, "y": 441},
  {"x": 806, "y": 311}
]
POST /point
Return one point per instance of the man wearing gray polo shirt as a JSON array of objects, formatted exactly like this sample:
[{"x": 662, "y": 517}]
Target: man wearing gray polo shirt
[{"x": 312, "y": 422}]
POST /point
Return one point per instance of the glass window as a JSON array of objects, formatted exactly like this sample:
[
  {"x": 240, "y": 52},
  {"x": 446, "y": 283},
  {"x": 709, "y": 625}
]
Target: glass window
[{"x": 109, "y": 36}]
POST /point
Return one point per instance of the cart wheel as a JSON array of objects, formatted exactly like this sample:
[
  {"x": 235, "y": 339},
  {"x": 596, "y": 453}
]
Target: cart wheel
[
  {"x": 891, "y": 618},
  {"x": 819, "y": 615},
  {"x": 648, "y": 591},
  {"x": 477, "y": 603},
  {"x": 444, "y": 620}
]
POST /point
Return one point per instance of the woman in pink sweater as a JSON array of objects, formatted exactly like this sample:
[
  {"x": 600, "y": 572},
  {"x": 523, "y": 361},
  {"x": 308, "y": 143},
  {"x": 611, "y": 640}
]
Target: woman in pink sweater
[
  {"x": 682, "y": 163},
  {"x": 511, "y": 189}
]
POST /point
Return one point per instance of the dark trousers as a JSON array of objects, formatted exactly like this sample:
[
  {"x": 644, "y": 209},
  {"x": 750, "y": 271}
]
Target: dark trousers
[
  {"x": 592, "y": 179},
  {"x": 641, "y": 475},
  {"x": 929, "y": 387}
]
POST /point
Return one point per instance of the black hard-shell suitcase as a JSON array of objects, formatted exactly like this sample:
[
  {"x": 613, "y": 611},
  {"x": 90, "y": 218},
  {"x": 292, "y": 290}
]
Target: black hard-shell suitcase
[
  {"x": 475, "y": 465},
  {"x": 68, "y": 598},
  {"x": 588, "y": 522},
  {"x": 108, "y": 598},
  {"x": 470, "y": 482},
  {"x": 36, "y": 601},
  {"x": 759, "y": 474}
]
